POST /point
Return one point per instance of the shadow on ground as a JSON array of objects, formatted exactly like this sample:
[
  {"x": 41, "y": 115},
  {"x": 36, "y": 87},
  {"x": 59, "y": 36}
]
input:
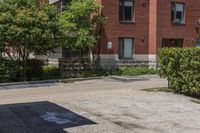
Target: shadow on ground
[{"x": 38, "y": 117}]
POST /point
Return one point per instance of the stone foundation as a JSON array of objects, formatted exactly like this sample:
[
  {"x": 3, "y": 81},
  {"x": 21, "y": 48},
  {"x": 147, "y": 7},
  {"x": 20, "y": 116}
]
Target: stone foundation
[{"x": 112, "y": 61}]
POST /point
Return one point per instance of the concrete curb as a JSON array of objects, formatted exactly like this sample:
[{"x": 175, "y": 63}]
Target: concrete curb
[
  {"x": 128, "y": 79},
  {"x": 119, "y": 78},
  {"x": 47, "y": 81}
]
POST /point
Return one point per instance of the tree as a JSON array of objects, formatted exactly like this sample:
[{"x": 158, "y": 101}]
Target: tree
[
  {"x": 28, "y": 27},
  {"x": 82, "y": 21}
]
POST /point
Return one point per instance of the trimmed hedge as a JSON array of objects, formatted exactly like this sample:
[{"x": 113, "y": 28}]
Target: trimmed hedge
[{"x": 182, "y": 68}]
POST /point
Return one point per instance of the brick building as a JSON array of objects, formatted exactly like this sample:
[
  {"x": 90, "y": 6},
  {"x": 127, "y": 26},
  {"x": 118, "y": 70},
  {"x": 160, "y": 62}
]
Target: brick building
[{"x": 136, "y": 29}]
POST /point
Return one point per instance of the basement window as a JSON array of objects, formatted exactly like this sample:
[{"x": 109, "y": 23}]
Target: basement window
[
  {"x": 64, "y": 2},
  {"x": 126, "y": 10},
  {"x": 198, "y": 42},
  {"x": 125, "y": 48},
  {"x": 176, "y": 43},
  {"x": 178, "y": 13}
]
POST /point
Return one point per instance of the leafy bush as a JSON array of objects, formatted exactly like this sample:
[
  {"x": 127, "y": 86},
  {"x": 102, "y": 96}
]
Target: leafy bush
[
  {"x": 50, "y": 72},
  {"x": 132, "y": 71},
  {"x": 8, "y": 70},
  {"x": 124, "y": 71},
  {"x": 182, "y": 68},
  {"x": 34, "y": 69}
]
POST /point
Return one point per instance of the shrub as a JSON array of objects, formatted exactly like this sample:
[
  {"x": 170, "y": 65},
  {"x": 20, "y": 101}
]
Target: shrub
[
  {"x": 182, "y": 68},
  {"x": 124, "y": 71},
  {"x": 50, "y": 72},
  {"x": 132, "y": 71},
  {"x": 34, "y": 69},
  {"x": 8, "y": 70}
]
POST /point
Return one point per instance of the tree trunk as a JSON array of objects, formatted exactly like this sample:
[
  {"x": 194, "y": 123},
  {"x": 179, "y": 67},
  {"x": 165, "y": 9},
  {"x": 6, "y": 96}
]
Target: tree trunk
[
  {"x": 24, "y": 70},
  {"x": 80, "y": 58},
  {"x": 91, "y": 56},
  {"x": 24, "y": 65}
]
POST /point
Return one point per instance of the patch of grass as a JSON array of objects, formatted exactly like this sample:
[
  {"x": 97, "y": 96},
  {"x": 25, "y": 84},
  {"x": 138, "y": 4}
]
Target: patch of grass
[
  {"x": 162, "y": 89},
  {"x": 195, "y": 101}
]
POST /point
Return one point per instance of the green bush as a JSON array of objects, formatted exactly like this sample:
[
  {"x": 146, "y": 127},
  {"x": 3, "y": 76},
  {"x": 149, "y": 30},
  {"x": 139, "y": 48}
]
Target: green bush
[
  {"x": 125, "y": 71},
  {"x": 50, "y": 72},
  {"x": 34, "y": 69},
  {"x": 132, "y": 71},
  {"x": 11, "y": 70},
  {"x": 182, "y": 68},
  {"x": 8, "y": 70}
]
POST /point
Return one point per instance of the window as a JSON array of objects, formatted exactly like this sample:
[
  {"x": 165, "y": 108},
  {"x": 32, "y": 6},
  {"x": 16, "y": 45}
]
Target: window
[
  {"x": 172, "y": 43},
  {"x": 178, "y": 13},
  {"x": 64, "y": 2},
  {"x": 125, "y": 48},
  {"x": 126, "y": 10},
  {"x": 198, "y": 42},
  {"x": 74, "y": 53}
]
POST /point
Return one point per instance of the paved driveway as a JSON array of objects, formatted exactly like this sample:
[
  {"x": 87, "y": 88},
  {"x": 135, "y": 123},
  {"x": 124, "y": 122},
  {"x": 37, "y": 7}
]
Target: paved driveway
[{"x": 97, "y": 106}]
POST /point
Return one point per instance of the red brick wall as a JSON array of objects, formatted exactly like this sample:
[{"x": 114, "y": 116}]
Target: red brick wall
[
  {"x": 153, "y": 22},
  {"x": 113, "y": 29},
  {"x": 187, "y": 31},
  {"x": 152, "y": 26}
]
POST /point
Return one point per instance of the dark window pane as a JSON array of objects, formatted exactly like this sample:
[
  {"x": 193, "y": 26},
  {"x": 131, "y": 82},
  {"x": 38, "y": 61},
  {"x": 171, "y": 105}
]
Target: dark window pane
[
  {"x": 172, "y": 43},
  {"x": 121, "y": 48},
  {"x": 198, "y": 42},
  {"x": 64, "y": 2},
  {"x": 71, "y": 53},
  {"x": 177, "y": 12},
  {"x": 121, "y": 13},
  {"x": 128, "y": 13},
  {"x": 126, "y": 10},
  {"x": 172, "y": 16},
  {"x": 179, "y": 15}
]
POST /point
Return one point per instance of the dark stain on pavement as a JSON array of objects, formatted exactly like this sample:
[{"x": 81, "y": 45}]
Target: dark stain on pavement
[
  {"x": 38, "y": 117},
  {"x": 129, "y": 126}
]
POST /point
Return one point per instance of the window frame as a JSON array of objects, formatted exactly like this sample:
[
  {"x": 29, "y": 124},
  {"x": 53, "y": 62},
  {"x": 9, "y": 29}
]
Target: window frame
[
  {"x": 119, "y": 50},
  {"x": 123, "y": 11},
  {"x": 197, "y": 42},
  {"x": 173, "y": 3},
  {"x": 176, "y": 40}
]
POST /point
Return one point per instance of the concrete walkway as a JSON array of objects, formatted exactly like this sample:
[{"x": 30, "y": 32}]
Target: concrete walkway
[{"x": 98, "y": 106}]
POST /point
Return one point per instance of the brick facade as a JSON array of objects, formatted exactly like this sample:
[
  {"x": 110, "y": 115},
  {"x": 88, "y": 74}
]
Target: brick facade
[
  {"x": 152, "y": 24},
  {"x": 187, "y": 31}
]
